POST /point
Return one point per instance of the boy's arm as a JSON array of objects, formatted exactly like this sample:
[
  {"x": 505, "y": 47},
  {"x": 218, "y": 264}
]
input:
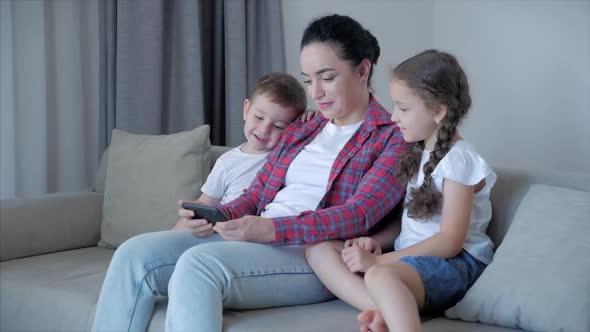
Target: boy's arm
[{"x": 208, "y": 200}]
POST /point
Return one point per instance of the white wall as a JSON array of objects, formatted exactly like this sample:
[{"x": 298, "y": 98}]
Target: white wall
[
  {"x": 377, "y": 16},
  {"x": 528, "y": 63}
]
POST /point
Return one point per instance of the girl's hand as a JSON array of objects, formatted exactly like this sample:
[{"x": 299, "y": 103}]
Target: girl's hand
[
  {"x": 199, "y": 227},
  {"x": 307, "y": 115},
  {"x": 358, "y": 259},
  {"x": 366, "y": 243}
]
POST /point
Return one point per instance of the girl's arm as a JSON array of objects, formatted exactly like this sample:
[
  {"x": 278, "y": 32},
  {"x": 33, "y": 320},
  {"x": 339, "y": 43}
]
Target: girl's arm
[{"x": 456, "y": 212}]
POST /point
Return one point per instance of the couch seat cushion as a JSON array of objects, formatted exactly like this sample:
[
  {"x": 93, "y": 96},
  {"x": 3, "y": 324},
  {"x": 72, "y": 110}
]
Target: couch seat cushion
[
  {"x": 450, "y": 325},
  {"x": 55, "y": 292},
  {"x": 58, "y": 292}
]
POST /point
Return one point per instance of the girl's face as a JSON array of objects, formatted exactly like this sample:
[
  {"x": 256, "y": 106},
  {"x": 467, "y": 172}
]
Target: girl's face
[
  {"x": 336, "y": 87},
  {"x": 416, "y": 121}
]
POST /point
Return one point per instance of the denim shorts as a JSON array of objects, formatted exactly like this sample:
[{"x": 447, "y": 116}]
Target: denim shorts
[{"x": 446, "y": 280}]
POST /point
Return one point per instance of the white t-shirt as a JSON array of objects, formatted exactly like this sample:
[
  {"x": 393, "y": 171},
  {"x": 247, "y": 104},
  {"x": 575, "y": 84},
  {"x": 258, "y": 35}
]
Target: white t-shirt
[
  {"x": 233, "y": 172},
  {"x": 307, "y": 177},
  {"x": 463, "y": 165}
]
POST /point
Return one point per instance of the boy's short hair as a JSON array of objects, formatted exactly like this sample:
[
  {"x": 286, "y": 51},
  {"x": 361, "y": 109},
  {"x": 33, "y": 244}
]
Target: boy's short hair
[{"x": 282, "y": 89}]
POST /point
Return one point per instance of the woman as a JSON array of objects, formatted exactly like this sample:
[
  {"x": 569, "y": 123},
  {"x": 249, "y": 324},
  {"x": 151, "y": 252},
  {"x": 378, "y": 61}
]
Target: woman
[{"x": 328, "y": 178}]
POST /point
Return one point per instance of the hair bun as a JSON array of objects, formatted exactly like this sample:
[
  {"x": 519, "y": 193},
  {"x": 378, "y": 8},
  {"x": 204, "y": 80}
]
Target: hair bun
[{"x": 375, "y": 49}]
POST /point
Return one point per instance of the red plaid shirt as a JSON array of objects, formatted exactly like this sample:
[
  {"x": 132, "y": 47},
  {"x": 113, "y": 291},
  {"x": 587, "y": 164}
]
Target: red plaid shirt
[{"x": 361, "y": 188}]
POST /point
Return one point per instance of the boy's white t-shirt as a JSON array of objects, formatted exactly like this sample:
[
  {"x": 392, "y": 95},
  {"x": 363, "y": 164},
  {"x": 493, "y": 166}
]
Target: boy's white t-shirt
[
  {"x": 464, "y": 165},
  {"x": 233, "y": 172},
  {"x": 307, "y": 176}
]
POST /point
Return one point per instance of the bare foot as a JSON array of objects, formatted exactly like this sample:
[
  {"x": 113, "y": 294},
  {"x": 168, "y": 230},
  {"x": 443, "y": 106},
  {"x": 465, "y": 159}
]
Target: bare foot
[{"x": 372, "y": 321}]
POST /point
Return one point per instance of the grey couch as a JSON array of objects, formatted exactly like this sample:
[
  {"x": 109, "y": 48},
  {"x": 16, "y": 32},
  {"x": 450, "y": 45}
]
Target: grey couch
[{"x": 51, "y": 269}]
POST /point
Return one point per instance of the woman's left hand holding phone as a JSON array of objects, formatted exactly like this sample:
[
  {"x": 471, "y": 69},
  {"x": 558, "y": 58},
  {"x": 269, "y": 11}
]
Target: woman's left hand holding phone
[{"x": 199, "y": 227}]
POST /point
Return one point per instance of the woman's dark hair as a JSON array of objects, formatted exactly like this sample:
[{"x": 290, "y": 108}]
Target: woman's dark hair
[
  {"x": 438, "y": 79},
  {"x": 352, "y": 42}
]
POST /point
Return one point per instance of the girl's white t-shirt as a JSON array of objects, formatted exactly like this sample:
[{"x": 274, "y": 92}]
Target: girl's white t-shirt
[
  {"x": 307, "y": 177},
  {"x": 233, "y": 172},
  {"x": 464, "y": 165}
]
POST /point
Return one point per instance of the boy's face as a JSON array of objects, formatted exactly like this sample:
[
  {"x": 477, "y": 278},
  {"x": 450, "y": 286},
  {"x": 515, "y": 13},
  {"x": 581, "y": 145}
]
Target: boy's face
[{"x": 265, "y": 123}]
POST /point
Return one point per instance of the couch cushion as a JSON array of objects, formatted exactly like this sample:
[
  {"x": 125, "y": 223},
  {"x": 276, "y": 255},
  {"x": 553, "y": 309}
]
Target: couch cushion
[
  {"x": 55, "y": 292},
  {"x": 58, "y": 292},
  {"x": 328, "y": 316},
  {"x": 538, "y": 280},
  {"x": 513, "y": 184},
  {"x": 451, "y": 325},
  {"x": 146, "y": 176}
]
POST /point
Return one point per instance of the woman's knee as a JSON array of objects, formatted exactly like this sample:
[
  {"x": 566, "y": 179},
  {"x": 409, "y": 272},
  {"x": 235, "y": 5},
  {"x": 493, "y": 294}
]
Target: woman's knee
[
  {"x": 199, "y": 262},
  {"x": 132, "y": 249}
]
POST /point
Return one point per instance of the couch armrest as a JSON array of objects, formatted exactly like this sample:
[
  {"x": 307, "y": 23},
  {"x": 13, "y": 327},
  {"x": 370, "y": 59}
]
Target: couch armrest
[{"x": 49, "y": 223}]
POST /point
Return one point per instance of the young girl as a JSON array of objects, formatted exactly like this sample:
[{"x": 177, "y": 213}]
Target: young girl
[{"x": 442, "y": 248}]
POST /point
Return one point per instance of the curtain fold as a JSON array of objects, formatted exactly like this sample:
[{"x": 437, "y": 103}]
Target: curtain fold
[
  {"x": 175, "y": 64},
  {"x": 72, "y": 71},
  {"x": 49, "y": 117}
]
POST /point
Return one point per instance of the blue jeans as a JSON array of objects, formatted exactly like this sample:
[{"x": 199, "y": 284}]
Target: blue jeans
[{"x": 200, "y": 276}]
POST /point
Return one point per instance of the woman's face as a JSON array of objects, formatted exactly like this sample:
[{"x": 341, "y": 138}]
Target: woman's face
[{"x": 336, "y": 87}]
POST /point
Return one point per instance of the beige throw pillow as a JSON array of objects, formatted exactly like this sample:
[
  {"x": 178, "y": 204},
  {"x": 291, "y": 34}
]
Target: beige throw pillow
[
  {"x": 540, "y": 277},
  {"x": 146, "y": 175}
]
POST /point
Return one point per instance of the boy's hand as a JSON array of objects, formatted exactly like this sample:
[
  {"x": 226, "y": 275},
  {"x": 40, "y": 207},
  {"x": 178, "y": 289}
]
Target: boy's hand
[
  {"x": 199, "y": 227},
  {"x": 365, "y": 243},
  {"x": 358, "y": 259},
  {"x": 307, "y": 115}
]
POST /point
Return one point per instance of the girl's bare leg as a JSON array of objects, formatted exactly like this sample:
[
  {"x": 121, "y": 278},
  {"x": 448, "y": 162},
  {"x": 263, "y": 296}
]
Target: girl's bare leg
[
  {"x": 326, "y": 261},
  {"x": 398, "y": 292}
]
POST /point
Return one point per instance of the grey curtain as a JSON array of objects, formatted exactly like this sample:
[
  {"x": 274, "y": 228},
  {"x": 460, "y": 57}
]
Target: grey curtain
[
  {"x": 48, "y": 96},
  {"x": 170, "y": 65}
]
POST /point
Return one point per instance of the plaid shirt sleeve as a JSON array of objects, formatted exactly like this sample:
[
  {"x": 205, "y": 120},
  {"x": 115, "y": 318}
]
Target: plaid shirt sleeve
[{"x": 376, "y": 195}]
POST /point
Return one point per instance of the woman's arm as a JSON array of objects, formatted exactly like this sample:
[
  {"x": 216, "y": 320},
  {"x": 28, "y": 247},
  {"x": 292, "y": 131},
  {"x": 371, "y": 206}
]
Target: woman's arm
[{"x": 456, "y": 212}]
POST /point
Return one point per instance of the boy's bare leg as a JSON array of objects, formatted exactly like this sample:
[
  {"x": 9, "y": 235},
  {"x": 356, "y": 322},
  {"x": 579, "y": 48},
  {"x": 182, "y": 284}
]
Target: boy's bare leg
[
  {"x": 326, "y": 261},
  {"x": 398, "y": 292},
  {"x": 372, "y": 321}
]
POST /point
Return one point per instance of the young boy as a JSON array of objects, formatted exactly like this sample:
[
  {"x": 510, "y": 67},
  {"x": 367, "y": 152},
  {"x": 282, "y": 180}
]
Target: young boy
[{"x": 278, "y": 99}]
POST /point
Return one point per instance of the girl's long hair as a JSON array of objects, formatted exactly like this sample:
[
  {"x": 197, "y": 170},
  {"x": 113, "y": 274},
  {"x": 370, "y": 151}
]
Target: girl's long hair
[{"x": 438, "y": 79}]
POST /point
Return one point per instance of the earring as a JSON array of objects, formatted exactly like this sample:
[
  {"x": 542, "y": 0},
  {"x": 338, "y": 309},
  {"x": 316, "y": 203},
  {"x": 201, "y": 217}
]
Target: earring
[{"x": 437, "y": 121}]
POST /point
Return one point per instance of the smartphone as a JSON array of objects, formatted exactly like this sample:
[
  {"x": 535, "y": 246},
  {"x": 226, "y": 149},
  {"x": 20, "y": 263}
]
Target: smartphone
[{"x": 211, "y": 214}]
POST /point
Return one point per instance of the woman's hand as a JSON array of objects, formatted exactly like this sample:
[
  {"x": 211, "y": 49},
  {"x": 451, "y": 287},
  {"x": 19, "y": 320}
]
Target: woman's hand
[
  {"x": 199, "y": 227},
  {"x": 248, "y": 229},
  {"x": 366, "y": 243},
  {"x": 358, "y": 259}
]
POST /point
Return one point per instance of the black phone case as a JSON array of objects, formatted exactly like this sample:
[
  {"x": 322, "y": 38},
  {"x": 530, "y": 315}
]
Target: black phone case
[{"x": 212, "y": 215}]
